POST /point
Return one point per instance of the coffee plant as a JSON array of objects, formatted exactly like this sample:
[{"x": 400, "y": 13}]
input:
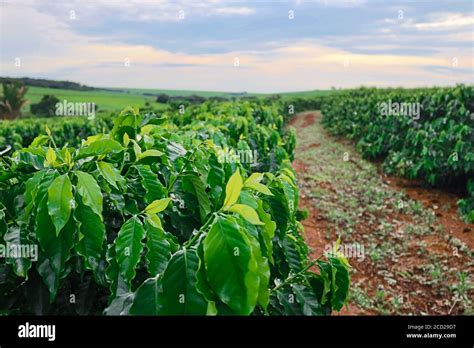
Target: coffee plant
[
  {"x": 159, "y": 216},
  {"x": 70, "y": 130},
  {"x": 436, "y": 145}
]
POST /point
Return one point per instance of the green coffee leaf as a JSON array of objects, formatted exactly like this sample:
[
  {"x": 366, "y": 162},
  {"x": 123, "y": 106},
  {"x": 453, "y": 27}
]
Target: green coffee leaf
[
  {"x": 90, "y": 191},
  {"x": 147, "y": 298},
  {"x": 226, "y": 248},
  {"x": 18, "y": 236},
  {"x": 110, "y": 173},
  {"x": 157, "y": 206},
  {"x": 202, "y": 197},
  {"x": 158, "y": 249},
  {"x": 247, "y": 213},
  {"x": 233, "y": 188},
  {"x": 55, "y": 248},
  {"x": 174, "y": 292},
  {"x": 101, "y": 147},
  {"x": 253, "y": 182},
  {"x": 150, "y": 153},
  {"x": 154, "y": 188},
  {"x": 50, "y": 158},
  {"x": 59, "y": 201},
  {"x": 91, "y": 243},
  {"x": 128, "y": 247},
  {"x": 337, "y": 272}
]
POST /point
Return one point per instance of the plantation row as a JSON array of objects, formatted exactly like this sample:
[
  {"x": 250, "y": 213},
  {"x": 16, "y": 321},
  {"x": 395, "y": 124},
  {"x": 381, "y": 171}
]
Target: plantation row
[
  {"x": 420, "y": 133},
  {"x": 70, "y": 130},
  {"x": 146, "y": 219}
]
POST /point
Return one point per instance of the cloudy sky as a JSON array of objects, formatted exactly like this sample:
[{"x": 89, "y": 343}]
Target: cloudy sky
[{"x": 254, "y": 46}]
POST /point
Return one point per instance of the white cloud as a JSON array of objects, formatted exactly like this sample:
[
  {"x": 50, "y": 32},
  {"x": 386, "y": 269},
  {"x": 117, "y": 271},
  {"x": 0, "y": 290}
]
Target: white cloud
[
  {"x": 243, "y": 11},
  {"x": 140, "y": 10},
  {"x": 446, "y": 21},
  {"x": 336, "y": 3}
]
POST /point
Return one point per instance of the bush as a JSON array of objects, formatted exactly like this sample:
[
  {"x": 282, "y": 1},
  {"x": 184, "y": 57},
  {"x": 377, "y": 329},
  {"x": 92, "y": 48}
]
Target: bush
[
  {"x": 46, "y": 107},
  {"x": 162, "y": 98}
]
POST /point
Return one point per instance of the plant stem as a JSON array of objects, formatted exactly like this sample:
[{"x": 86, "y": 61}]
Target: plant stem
[
  {"x": 190, "y": 242},
  {"x": 10, "y": 215},
  {"x": 291, "y": 278},
  {"x": 54, "y": 143},
  {"x": 173, "y": 180}
]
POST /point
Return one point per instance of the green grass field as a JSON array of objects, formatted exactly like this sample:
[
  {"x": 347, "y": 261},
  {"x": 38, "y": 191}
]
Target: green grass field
[
  {"x": 105, "y": 100},
  {"x": 116, "y": 98}
]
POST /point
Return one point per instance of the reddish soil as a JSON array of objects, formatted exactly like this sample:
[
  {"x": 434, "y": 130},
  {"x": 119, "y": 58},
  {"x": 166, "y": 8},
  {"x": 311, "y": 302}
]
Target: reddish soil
[
  {"x": 442, "y": 202},
  {"x": 309, "y": 119}
]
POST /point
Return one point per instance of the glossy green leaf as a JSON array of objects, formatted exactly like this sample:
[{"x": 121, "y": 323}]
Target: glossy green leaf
[
  {"x": 55, "y": 249},
  {"x": 202, "y": 197},
  {"x": 233, "y": 188},
  {"x": 293, "y": 257},
  {"x": 110, "y": 173},
  {"x": 338, "y": 273},
  {"x": 268, "y": 230},
  {"x": 174, "y": 292},
  {"x": 157, "y": 206},
  {"x": 16, "y": 237},
  {"x": 90, "y": 192},
  {"x": 226, "y": 248},
  {"x": 202, "y": 284},
  {"x": 247, "y": 213},
  {"x": 307, "y": 299},
  {"x": 154, "y": 188},
  {"x": 128, "y": 247},
  {"x": 91, "y": 243},
  {"x": 180, "y": 296},
  {"x": 158, "y": 250},
  {"x": 263, "y": 270},
  {"x": 253, "y": 182},
  {"x": 147, "y": 298},
  {"x": 100, "y": 147},
  {"x": 287, "y": 299},
  {"x": 150, "y": 153},
  {"x": 60, "y": 201}
]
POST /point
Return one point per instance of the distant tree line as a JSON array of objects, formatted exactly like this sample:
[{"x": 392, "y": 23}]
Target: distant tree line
[
  {"x": 48, "y": 83},
  {"x": 197, "y": 99},
  {"x": 191, "y": 99}
]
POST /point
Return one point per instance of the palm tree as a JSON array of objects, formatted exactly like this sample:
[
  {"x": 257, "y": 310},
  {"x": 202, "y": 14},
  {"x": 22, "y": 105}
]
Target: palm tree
[{"x": 12, "y": 99}]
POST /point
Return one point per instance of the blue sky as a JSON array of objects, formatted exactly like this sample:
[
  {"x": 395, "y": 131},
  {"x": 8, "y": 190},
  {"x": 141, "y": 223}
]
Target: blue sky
[{"x": 256, "y": 46}]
